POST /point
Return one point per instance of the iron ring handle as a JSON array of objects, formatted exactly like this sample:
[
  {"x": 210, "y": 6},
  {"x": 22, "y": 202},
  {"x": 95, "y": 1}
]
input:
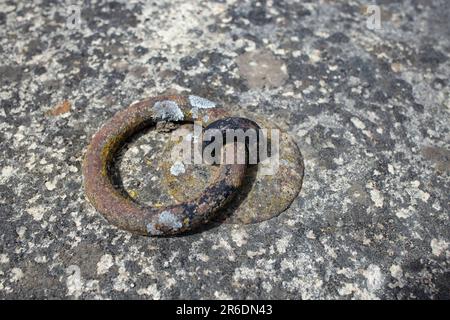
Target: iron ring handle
[{"x": 147, "y": 220}]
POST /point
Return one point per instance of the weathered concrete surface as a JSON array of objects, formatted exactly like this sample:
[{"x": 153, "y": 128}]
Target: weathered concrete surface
[{"x": 368, "y": 108}]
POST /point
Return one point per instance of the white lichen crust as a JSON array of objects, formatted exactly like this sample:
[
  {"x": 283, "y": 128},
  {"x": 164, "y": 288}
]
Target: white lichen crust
[{"x": 167, "y": 110}]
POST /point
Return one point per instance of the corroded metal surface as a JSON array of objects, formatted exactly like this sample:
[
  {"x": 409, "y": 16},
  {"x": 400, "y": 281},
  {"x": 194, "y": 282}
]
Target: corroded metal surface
[
  {"x": 120, "y": 209},
  {"x": 261, "y": 197}
]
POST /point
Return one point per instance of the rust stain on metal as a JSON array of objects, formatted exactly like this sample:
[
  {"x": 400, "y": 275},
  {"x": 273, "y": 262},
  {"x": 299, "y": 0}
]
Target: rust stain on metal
[{"x": 125, "y": 213}]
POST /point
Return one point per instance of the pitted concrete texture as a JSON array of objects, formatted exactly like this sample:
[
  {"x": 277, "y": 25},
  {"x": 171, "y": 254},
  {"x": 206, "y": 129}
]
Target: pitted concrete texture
[{"x": 369, "y": 109}]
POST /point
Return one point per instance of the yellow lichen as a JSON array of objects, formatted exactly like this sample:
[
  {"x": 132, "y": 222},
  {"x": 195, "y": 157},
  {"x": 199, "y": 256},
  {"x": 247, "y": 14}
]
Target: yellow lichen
[{"x": 133, "y": 194}]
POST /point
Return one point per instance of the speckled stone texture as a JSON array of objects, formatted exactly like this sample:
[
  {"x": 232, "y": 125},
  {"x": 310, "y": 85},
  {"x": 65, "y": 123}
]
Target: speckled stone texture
[{"x": 368, "y": 108}]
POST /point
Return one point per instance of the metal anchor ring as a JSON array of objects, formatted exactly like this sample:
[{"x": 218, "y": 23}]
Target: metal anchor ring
[{"x": 146, "y": 220}]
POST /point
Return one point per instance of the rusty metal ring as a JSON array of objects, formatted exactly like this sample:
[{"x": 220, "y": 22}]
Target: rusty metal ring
[{"x": 122, "y": 211}]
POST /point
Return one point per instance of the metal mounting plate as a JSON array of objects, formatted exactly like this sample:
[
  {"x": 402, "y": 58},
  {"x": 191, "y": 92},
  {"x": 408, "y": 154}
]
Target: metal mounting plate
[{"x": 262, "y": 197}]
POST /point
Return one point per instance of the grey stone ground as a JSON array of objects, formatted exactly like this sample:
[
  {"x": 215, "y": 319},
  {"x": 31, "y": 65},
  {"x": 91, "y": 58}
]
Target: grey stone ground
[{"x": 368, "y": 108}]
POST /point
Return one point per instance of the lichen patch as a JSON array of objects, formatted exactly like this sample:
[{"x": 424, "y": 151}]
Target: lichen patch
[
  {"x": 168, "y": 219},
  {"x": 177, "y": 168},
  {"x": 168, "y": 110},
  {"x": 201, "y": 103}
]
